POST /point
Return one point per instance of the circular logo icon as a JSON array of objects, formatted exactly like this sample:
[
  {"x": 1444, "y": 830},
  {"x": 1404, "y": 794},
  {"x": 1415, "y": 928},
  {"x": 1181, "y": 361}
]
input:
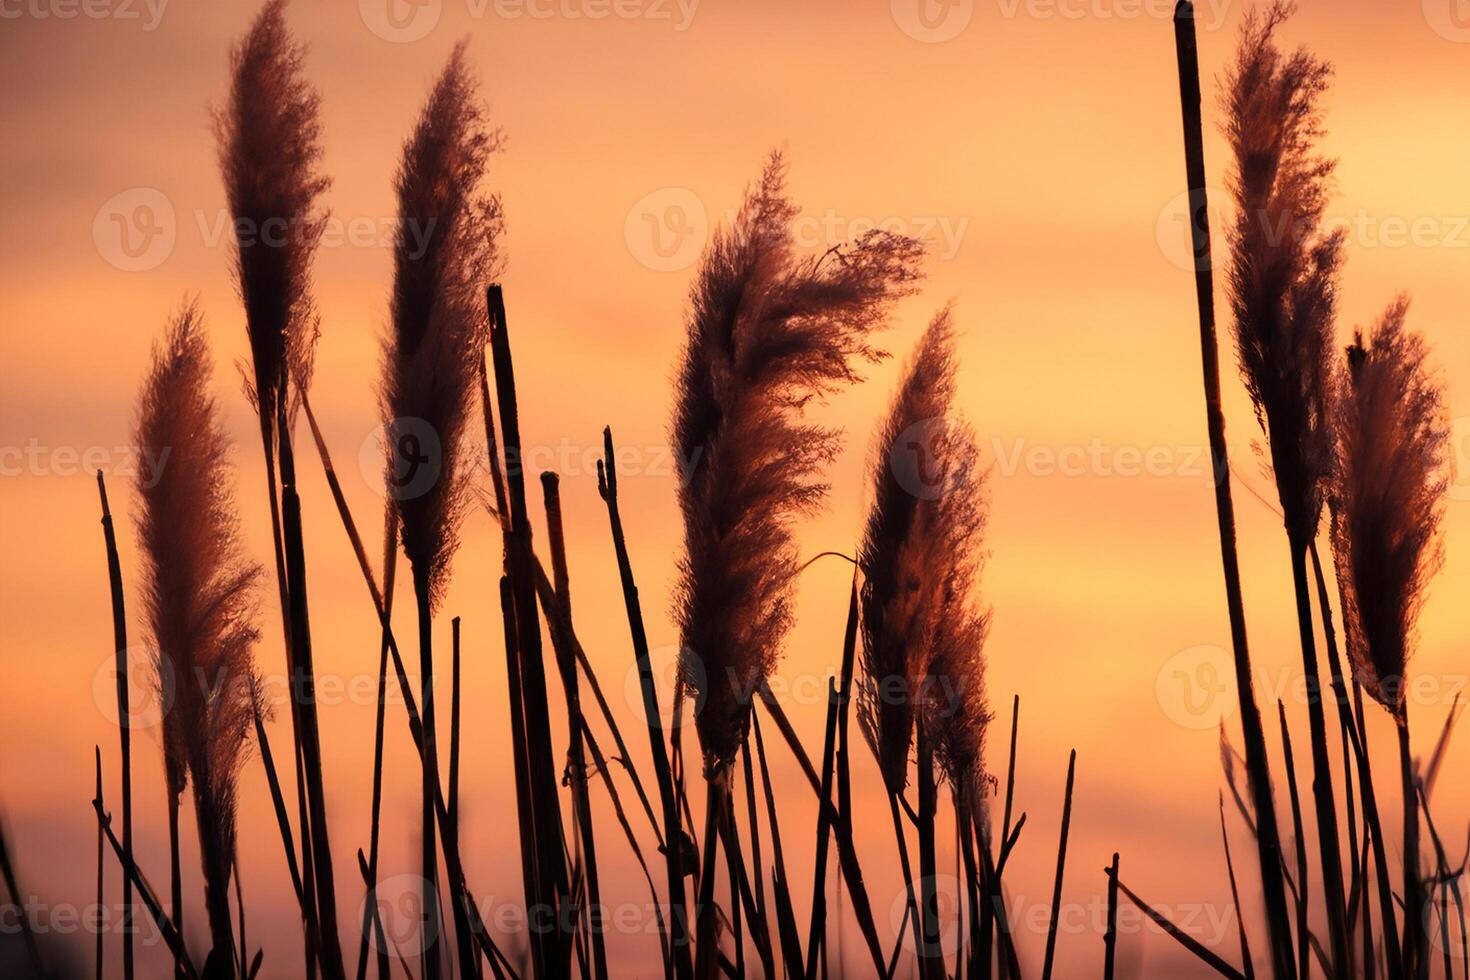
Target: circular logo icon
[
  {"x": 932, "y": 21},
  {"x": 1450, "y": 19},
  {"x": 947, "y": 891},
  {"x": 401, "y": 908},
  {"x": 135, "y": 230},
  {"x": 400, "y": 21},
  {"x": 1174, "y": 227},
  {"x": 150, "y": 688},
  {"x": 1196, "y": 687},
  {"x": 668, "y": 665},
  {"x": 918, "y": 462},
  {"x": 666, "y": 230},
  {"x": 402, "y": 459}
]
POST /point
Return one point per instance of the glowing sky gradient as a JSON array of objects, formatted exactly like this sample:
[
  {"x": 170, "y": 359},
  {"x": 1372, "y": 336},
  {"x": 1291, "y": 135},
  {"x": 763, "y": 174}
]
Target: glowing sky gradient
[{"x": 1035, "y": 144}]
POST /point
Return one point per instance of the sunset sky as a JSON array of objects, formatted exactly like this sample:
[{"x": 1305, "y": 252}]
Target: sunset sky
[{"x": 1034, "y": 144}]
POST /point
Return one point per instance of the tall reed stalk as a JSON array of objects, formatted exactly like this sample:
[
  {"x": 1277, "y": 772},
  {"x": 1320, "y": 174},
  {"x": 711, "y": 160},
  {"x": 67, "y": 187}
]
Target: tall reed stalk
[
  {"x": 445, "y": 248},
  {"x": 268, "y": 133},
  {"x": 1392, "y": 441},
  {"x": 1268, "y": 839},
  {"x": 125, "y": 723},
  {"x": 198, "y": 593}
]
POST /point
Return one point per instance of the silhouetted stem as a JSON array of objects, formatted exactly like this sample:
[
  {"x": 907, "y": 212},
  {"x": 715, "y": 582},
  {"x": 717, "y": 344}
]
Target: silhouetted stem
[
  {"x": 1184, "y": 939},
  {"x": 547, "y": 809},
  {"x": 679, "y": 922},
  {"x": 1267, "y": 836},
  {"x": 303, "y": 690},
  {"x": 1302, "y": 935},
  {"x": 370, "y": 917},
  {"x": 816, "y": 933},
  {"x": 1110, "y": 937},
  {"x": 1415, "y": 937},
  {"x": 1056, "y": 895},
  {"x": 124, "y": 719},
  {"x": 1245, "y": 945}
]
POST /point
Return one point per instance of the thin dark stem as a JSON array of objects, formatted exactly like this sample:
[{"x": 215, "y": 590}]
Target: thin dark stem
[
  {"x": 908, "y": 881},
  {"x": 429, "y": 778},
  {"x": 679, "y": 921},
  {"x": 464, "y": 944},
  {"x": 175, "y": 878},
  {"x": 124, "y": 718},
  {"x": 370, "y": 917},
  {"x": 547, "y": 809},
  {"x": 1183, "y": 938},
  {"x": 817, "y": 932},
  {"x": 303, "y": 689},
  {"x": 1415, "y": 939},
  {"x": 706, "y": 947},
  {"x": 1110, "y": 937},
  {"x": 931, "y": 954},
  {"x": 561, "y": 622},
  {"x": 785, "y": 919},
  {"x": 101, "y": 855},
  {"x": 1056, "y": 894},
  {"x": 1267, "y": 836},
  {"x": 309, "y": 917},
  {"x": 1245, "y": 944},
  {"x": 1328, "y": 841},
  {"x": 1303, "y": 940},
  {"x": 524, "y": 811},
  {"x": 166, "y": 929}
]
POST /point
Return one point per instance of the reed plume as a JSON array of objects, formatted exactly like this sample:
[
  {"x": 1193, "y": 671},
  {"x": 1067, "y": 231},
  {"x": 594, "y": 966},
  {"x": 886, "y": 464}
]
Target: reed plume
[
  {"x": 920, "y": 557},
  {"x": 198, "y": 593},
  {"x": 768, "y": 332},
  {"x": 1388, "y": 501},
  {"x": 923, "y": 676},
  {"x": 1284, "y": 268},
  {"x": 446, "y": 250},
  {"x": 1282, "y": 284},
  {"x": 268, "y": 134}
]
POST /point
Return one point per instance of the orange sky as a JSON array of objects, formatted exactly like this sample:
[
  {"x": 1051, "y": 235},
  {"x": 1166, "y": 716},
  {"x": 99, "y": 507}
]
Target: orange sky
[{"x": 1035, "y": 143}]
